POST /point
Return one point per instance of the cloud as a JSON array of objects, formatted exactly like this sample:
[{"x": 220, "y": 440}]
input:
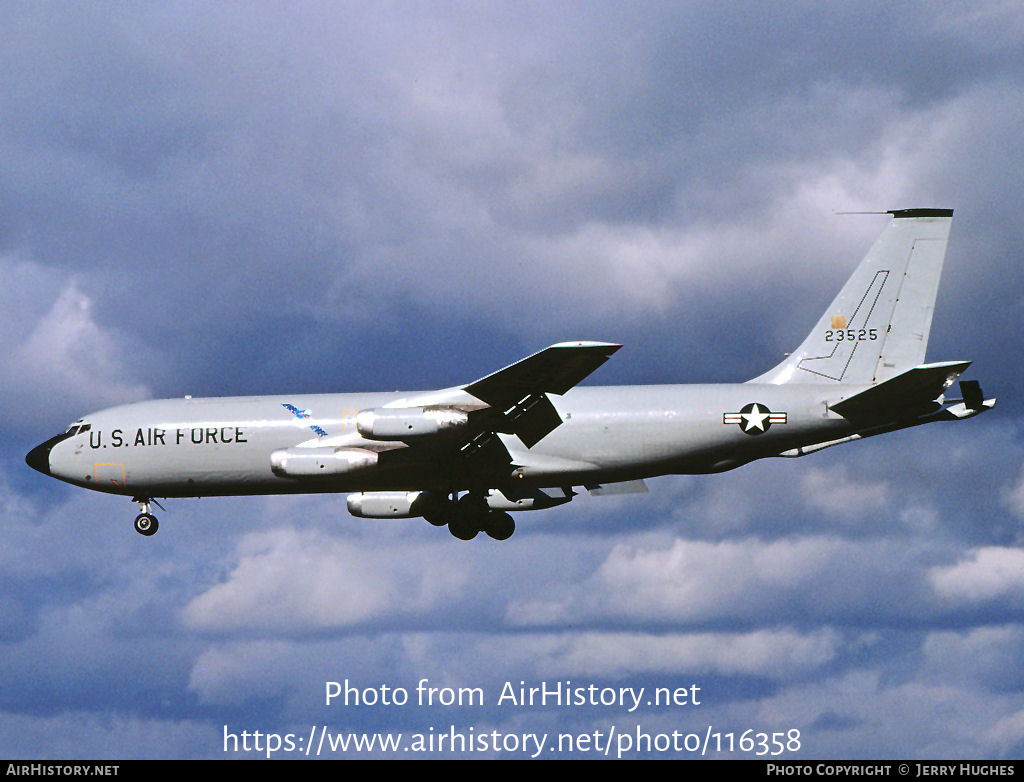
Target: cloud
[
  {"x": 1015, "y": 497},
  {"x": 1006, "y": 735},
  {"x": 396, "y": 158},
  {"x": 691, "y": 582},
  {"x": 85, "y": 734},
  {"x": 835, "y": 493},
  {"x": 287, "y": 579},
  {"x": 983, "y": 655},
  {"x": 774, "y": 653},
  {"x": 245, "y": 673},
  {"x": 60, "y": 360},
  {"x": 919, "y": 718},
  {"x": 983, "y": 575}
]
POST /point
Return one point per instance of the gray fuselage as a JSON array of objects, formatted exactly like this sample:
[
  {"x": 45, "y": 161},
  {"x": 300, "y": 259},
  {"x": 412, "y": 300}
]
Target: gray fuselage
[{"x": 222, "y": 446}]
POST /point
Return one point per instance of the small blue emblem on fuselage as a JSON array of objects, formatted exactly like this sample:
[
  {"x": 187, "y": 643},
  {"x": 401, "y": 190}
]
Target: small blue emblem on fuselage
[{"x": 304, "y": 414}]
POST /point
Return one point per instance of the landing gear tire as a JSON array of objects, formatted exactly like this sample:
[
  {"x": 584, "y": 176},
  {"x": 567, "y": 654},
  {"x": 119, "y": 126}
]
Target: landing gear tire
[
  {"x": 146, "y": 524},
  {"x": 437, "y": 519},
  {"x": 441, "y": 514},
  {"x": 463, "y": 530},
  {"x": 470, "y": 514},
  {"x": 500, "y": 525}
]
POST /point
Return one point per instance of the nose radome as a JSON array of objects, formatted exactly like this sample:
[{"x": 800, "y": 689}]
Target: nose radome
[{"x": 39, "y": 457}]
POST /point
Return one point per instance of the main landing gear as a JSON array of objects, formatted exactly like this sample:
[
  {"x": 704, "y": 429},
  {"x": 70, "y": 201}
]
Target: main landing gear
[
  {"x": 146, "y": 523},
  {"x": 470, "y": 515}
]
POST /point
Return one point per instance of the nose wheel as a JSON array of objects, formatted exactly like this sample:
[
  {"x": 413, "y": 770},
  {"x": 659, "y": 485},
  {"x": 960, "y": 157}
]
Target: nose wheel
[{"x": 146, "y": 523}]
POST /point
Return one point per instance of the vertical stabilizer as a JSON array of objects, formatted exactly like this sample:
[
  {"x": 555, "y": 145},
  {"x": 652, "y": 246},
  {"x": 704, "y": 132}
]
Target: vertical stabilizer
[{"x": 877, "y": 327}]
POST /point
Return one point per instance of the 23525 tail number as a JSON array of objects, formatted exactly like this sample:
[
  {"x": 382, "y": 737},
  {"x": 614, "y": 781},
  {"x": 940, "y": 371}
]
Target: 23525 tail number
[{"x": 851, "y": 335}]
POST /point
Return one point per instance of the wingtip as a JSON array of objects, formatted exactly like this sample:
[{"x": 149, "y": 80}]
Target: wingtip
[{"x": 611, "y": 346}]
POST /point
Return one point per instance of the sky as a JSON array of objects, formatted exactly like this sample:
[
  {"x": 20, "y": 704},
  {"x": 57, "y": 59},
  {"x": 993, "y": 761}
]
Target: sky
[{"x": 319, "y": 197}]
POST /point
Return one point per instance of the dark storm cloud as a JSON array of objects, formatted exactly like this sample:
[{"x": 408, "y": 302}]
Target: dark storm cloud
[{"x": 324, "y": 170}]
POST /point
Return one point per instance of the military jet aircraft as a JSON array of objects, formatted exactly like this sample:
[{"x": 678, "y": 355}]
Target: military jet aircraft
[{"x": 525, "y": 437}]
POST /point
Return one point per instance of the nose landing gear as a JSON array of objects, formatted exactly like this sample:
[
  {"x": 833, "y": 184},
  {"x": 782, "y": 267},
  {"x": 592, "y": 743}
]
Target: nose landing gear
[{"x": 146, "y": 523}]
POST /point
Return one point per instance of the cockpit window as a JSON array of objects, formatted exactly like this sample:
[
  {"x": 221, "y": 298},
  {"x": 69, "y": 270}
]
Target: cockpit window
[{"x": 78, "y": 427}]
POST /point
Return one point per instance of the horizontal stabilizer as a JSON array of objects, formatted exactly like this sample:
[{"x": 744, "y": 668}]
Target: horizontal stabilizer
[
  {"x": 973, "y": 403},
  {"x": 910, "y": 391},
  {"x": 962, "y": 410}
]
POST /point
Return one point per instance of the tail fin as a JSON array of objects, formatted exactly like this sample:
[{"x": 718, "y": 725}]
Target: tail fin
[{"x": 878, "y": 325}]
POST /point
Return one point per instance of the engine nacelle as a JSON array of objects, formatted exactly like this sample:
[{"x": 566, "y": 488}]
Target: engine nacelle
[
  {"x": 320, "y": 462},
  {"x": 403, "y": 423},
  {"x": 392, "y": 504},
  {"x": 533, "y": 499}
]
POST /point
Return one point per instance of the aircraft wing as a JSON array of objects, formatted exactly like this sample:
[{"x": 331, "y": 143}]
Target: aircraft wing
[
  {"x": 468, "y": 419},
  {"x": 553, "y": 370},
  {"x": 518, "y": 393}
]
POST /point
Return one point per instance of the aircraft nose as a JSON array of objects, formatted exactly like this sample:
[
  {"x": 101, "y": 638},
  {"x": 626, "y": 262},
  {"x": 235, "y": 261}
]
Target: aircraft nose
[{"x": 39, "y": 457}]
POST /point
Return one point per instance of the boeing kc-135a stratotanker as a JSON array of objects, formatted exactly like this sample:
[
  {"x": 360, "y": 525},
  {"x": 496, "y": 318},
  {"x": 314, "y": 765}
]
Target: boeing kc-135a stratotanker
[{"x": 525, "y": 437}]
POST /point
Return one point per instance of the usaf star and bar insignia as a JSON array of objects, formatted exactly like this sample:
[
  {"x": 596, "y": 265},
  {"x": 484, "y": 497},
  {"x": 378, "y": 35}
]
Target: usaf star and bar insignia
[{"x": 754, "y": 418}]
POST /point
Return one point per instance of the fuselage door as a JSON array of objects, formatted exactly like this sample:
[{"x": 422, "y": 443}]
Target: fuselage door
[{"x": 109, "y": 475}]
